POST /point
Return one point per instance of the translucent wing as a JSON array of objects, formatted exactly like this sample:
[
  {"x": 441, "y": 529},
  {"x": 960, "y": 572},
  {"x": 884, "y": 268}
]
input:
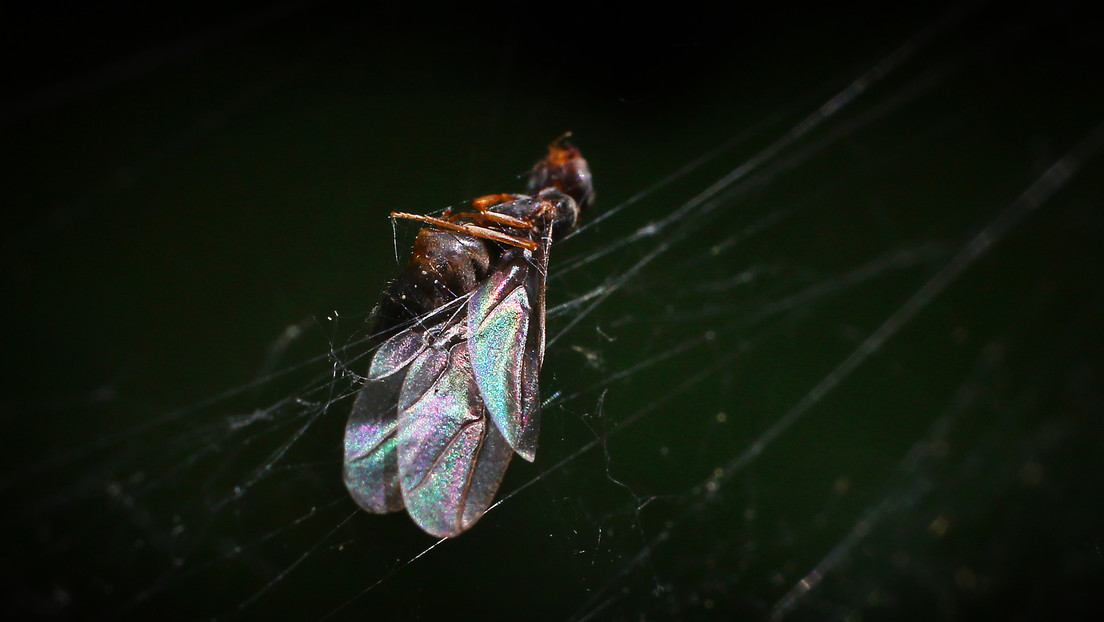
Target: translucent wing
[
  {"x": 420, "y": 435},
  {"x": 371, "y": 460},
  {"x": 506, "y": 323},
  {"x": 371, "y": 465},
  {"x": 451, "y": 458}
]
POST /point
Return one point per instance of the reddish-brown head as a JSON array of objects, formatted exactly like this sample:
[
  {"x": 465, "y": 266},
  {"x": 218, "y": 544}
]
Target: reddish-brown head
[{"x": 566, "y": 170}]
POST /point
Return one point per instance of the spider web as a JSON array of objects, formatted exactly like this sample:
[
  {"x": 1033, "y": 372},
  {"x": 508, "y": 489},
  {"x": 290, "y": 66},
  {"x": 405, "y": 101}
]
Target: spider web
[{"x": 828, "y": 346}]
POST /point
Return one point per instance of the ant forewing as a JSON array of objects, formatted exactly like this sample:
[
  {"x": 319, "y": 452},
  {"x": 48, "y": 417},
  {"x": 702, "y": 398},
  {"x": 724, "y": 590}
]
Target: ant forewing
[{"x": 452, "y": 392}]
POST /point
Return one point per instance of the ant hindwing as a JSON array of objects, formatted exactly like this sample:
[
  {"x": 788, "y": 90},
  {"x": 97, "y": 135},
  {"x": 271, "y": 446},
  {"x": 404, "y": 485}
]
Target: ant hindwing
[{"x": 452, "y": 392}]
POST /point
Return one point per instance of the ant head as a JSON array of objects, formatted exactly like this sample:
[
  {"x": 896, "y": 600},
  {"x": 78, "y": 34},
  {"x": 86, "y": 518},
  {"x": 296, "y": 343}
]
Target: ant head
[{"x": 565, "y": 170}]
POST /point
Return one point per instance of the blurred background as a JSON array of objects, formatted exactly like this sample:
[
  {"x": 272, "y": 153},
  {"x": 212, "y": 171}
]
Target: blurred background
[{"x": 828, "y": 346}]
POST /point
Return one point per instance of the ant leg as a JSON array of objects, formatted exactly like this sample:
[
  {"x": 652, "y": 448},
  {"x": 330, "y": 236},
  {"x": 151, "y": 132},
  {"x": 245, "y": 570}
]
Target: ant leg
[
  {"x": 470, "y": 229},
  {"x": 495, "y": 217},
  {"x": 482, "y": 203}
]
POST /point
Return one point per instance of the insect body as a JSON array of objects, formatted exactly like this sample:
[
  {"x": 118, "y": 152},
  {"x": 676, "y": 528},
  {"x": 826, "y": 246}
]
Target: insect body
[{"x": 452, "y": 392}]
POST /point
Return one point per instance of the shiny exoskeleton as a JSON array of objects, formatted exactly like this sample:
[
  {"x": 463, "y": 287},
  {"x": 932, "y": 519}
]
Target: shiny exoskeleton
[{"x": 452, "y": 392}]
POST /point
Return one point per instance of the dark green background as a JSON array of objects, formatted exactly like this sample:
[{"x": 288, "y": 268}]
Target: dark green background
[{"x": 183, "y": 185}]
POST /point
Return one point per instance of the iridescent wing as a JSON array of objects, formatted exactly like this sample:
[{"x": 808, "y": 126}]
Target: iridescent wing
[
  {"x": 451, "y": 457},
  {"x": 419, "y": 435},
  {"x": 447, "y": 402},
  {"x": 371, "y": 457},
  {"x": 506, "y": 324}
]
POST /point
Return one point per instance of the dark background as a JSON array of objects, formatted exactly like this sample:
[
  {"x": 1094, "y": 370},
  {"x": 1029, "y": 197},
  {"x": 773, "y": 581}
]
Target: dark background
[{"x": 196, "y": 228}]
